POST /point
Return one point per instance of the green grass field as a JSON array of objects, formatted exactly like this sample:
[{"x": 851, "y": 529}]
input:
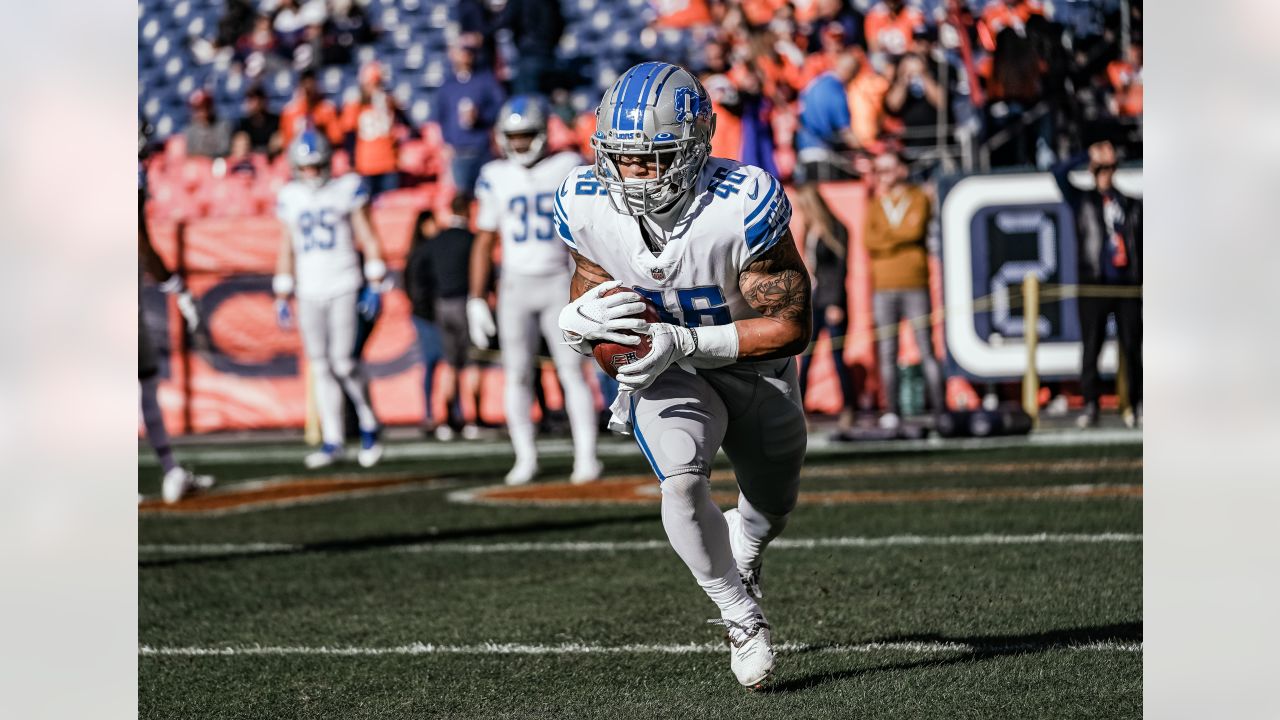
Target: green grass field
[{"x": 996, "y": 582}]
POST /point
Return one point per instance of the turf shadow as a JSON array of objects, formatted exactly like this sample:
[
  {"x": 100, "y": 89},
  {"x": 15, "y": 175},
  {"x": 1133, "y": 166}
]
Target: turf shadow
[
  {"x": 985, "y": 647},
  {"x": 403, "y": 539}
]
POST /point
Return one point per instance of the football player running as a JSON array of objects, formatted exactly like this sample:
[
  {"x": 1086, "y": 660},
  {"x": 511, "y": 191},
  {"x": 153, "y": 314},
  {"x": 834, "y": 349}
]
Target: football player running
[
  {"x": 705, "y": 239},
  {"x": 178, "y": 481},
  {"x": 318, "y": 265},
  {"x": 516, "y": 196}
]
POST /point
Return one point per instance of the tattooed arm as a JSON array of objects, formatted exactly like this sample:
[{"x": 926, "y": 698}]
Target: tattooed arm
[
  {"x": 586, "y": 275},
  {"x": 776, "y": 284}
]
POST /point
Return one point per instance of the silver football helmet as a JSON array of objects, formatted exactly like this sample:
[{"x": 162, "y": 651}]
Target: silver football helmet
[
  {"x": 654, "y": 109},
  {"x": 310, "y": 149},
  {"x": 523, "y": 114}
]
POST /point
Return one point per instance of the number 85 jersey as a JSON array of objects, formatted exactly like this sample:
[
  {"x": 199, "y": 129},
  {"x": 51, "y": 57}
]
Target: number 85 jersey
[
  {"x": 738, "y": 212},
  {"x": 325, "y": 262},
  {"x": 518, "y": 203}
]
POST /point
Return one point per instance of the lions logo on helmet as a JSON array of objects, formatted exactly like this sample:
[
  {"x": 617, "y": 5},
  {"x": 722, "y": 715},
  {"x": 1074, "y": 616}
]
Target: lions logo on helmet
[
  {"x": 523, "y": 115},
  {"x": 660, "y": 109},
  {"x": 310, "y": 149}
]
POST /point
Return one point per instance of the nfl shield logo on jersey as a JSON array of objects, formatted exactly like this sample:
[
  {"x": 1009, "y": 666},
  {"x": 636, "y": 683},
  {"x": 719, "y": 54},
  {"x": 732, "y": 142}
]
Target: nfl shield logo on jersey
[{"x": 658, "y": 274}]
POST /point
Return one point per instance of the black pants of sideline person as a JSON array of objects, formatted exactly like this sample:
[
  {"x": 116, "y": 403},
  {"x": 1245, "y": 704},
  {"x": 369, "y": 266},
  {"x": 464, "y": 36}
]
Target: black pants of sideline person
[{"x": 1093, "y": 328}]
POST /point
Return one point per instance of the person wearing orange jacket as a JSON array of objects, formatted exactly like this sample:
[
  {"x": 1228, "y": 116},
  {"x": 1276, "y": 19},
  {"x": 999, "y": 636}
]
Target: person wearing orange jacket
[
  {"x": 370, "y": 125},
  {"x": 309, "y": 108}
]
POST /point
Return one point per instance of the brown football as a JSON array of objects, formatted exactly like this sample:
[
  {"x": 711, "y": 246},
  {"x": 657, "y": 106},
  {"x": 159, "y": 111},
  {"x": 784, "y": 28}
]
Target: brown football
[{"x": 612, "y": 356}]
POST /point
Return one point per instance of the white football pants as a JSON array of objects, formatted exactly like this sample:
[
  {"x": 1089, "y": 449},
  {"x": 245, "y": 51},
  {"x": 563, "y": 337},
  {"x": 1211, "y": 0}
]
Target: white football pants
[
  {"x": 328, "y": 330},
  {"x": 529, "y": 306}
]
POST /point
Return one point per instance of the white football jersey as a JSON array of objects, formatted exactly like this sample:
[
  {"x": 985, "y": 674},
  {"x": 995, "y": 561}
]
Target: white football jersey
[
  {"x": 325, "y": 263},
  {"x": 519, "y": 203},
  {"x": 738, "y": 212}
]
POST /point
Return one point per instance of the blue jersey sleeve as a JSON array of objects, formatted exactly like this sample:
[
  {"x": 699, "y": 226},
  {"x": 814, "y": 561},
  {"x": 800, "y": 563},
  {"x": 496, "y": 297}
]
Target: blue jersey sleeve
[
  {"x": 768, "y": 214},
  {"x": 562, "y": 214}
]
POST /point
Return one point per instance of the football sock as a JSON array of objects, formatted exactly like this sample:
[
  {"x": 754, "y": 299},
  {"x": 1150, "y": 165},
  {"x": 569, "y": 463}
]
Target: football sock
[
  {"x": 518, "y": 401},
  {"x": 758, "y": 528},
  {"x": 700, "y": 536},
  {"x": 328, "y": 401},
  {"x": 153, "y": 421}
]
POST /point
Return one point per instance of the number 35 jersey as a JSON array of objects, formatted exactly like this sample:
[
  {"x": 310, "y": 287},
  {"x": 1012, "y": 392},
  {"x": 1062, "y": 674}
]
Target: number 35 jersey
[
  {"x": 737, "y": 213},
  {"x": 518, "y": 202},
  {"x": 325, "y": 263}
]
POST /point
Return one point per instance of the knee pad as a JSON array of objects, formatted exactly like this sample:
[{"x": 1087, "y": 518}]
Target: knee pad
[{"x": 320, "y": 366}]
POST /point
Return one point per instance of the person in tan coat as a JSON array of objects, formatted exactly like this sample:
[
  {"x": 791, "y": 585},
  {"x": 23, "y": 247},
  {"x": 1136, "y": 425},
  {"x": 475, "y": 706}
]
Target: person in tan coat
[{"x": 897, "y": 222}]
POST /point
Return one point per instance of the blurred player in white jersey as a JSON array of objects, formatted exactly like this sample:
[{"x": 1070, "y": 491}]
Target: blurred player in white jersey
[
  {"x": 178, "y": 481},
  {"x": 705, "y": 239},
  {"x": 323, "y": 218},
  {"x": 516, "y": 197}
]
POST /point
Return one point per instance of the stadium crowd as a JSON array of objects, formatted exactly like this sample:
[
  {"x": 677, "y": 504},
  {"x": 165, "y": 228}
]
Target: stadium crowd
[{"x": 897, "y": 92}]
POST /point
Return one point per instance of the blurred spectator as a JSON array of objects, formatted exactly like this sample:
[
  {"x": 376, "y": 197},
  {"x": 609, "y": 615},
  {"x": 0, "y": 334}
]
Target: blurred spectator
[
  {"x": 237, "y": 19},
  {"x": 442, "y": 264},
  {"x": 346, "y": 28},
  {"x": 682, "y": 13},
  {"x": 824, "y": 135},
  {"x": 293, "y": 21},
  {"x": 206, "y": 135},
  {"x": 1013, "y": 93},
  {"x": 1126, "y": 79},
  {"x": 477, "y": 26},
  {"x": 897, "y": 224},
  {"x": 308, "y": 106},
  {"x": 842, "y": 13},
  {"x": 760, "y": 12},
  {"x": 754, "y": 115},
  {"x": 1001, "y": 14},
  {"x": 913, "y": 100},
  {"x": 831, "y": 47},
  {"x": 890, "y": 27},
  {"x": 866, "y": 101},
  {"x": 466, "y": 108},
  {"x": 240, "y": 160},
  {"x": 419, "y": 286},
  {"x": 828, "y": 262},
  {"x": 259, "y": 40},
  {"x": 1109, "y": 232},
  {"x": 370, "y": 122},
  {"x": 536, "y": 27},
  {"x": 260, "y": 124},
  {"x": 727, "y": 140}
]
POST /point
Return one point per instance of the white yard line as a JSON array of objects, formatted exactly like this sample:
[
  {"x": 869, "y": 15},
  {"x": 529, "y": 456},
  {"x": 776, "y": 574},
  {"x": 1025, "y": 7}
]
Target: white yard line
[
  {"x": 635, "y": 545},
  {"x": 923, "y": 648},
  {"x": 819, "y": 444}
]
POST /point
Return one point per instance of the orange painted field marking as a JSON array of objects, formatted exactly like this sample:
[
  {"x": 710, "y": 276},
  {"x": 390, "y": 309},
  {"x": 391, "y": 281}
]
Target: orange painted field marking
[{"x": 278, "y": 492}]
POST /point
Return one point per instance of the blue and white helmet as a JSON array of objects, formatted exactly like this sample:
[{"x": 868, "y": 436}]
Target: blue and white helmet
[
  {"x": 654, "y": 107},
  {"x": 523, "y": 114},
  {"x": 310, "y": 149}
]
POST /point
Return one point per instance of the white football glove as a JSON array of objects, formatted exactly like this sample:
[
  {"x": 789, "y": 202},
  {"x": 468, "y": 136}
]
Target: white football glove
[
  {"x": 593, "y": 318},
  {"x": 480, "y": 322},
  {"x": 671, "y": 343}
]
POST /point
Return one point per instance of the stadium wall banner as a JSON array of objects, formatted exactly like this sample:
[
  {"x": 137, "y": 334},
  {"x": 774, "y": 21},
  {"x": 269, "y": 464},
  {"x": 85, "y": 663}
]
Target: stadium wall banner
[
  {"x": 244, "y": 373},
  {"x": 997, "y": 228}
]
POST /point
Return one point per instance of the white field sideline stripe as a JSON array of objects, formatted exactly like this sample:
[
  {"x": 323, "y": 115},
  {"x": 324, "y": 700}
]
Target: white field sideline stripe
[
  {"x": 632, "y": 545},
  {"x": 924, "y": 648}
]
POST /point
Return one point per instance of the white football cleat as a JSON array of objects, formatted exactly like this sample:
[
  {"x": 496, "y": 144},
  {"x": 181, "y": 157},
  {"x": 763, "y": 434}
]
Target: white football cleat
[
  {"x": 179, "y": 482},
  {"x": 470, "y": 432},
  {"x": 522, "y": 473},
  {"x": 324, "y": 457},
  {"x": 750, "y": 650},
  {"x": 444, "y": 433},
  {"x": 890, "y": 421},
  {"x": 751, "y": 573},
  {"x": 586, "y": 472},
  {"x": 370, "y": 449}
]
